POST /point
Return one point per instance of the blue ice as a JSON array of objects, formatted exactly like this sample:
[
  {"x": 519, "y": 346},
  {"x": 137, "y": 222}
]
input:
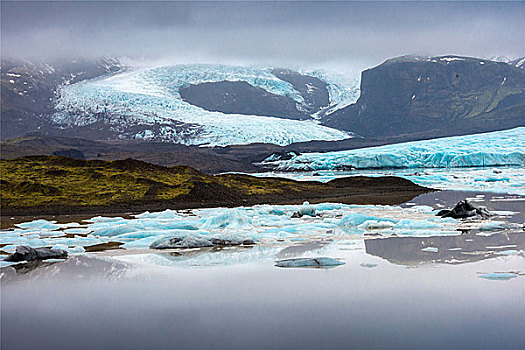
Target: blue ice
[
  {"x": 354, "y": 220},
  {"x": 498, "y": 148},
  {"x": 502, "y": 276}
]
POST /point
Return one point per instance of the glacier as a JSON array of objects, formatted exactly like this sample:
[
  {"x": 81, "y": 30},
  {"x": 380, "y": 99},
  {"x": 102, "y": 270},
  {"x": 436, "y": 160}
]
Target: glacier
[
  {"x": 344, "y": 89},
  {"x": 150, "y": 96},
  {"x": 492, "y": 162},
  {"x": 499, "y": 148}
]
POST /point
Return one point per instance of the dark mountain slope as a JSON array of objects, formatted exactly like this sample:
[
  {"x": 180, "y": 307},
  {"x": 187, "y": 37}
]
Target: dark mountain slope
[
  {"x": 442, "y": 95},
  {"x": 28, "y": 90},
  {"x": 313, "y": 90},
  {"x": 239, "y": 97}
]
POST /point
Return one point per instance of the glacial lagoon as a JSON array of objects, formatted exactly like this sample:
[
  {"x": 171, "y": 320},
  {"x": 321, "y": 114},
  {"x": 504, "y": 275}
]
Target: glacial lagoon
[{"x": 408, "y": 279}]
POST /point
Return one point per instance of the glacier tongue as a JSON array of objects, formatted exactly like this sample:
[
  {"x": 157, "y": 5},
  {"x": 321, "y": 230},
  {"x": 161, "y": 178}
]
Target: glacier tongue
[
  {"x": 488, "y": 149},
  {"x": 150, "y": 96}
]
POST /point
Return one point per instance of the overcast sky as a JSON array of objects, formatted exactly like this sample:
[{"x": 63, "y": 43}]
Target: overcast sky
[{"x": 313, "y": 33}]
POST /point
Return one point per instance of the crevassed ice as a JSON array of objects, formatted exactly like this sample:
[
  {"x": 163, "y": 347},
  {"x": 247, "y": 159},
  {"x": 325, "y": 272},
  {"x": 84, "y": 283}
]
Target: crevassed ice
[
  {"x": 151, "y": 96},
  {"x": 343, "y": 89},
  {"x": 487, "y": 149}
]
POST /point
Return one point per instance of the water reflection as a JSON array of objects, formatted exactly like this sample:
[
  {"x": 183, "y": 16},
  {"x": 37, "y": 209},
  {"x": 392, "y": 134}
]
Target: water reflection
[
  {"x": 459, "y": 249},
  {"x": 492, "y": 201},
  {"x": 76, "y": 267}
]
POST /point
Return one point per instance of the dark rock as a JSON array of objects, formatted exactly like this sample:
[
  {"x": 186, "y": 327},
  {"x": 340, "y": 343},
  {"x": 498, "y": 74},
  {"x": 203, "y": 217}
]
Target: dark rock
[
  {"x": 26, "y": 253},
  {"x": 70, "y": 153},
  {"x": 285, "y": 155},
  {"x": 309, "y": 262},
  {"x": 463, "y": 209},
  {"x": 313, "y": 90},
  {"x": 296, "y": 215},
  {"x": 195, "y": 242},
  {"x": 436, "y": 97},
  {"x": 239, "y": 97}
]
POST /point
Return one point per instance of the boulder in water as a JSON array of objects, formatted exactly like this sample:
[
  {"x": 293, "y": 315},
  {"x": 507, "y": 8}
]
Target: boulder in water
[
  {"x": 309, "y": 262},
  {"x": 197, "y": 242},
  {"x": 26, "y": 253},
  {"x": 464, "y": 209}
]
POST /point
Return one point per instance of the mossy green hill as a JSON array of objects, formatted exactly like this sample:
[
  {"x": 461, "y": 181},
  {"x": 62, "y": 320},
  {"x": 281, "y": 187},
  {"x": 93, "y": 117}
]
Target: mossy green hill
[{"x": 58, "y": 185}]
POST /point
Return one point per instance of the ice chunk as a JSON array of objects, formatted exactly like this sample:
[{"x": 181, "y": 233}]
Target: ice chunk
[
  {"x": 496, "y": 225},
  {"x": 508, "y": 252},
  {"x": 430, "y": 249},
  {"x": 26, "y": 253},
  {"x": 367, "y": 264},
  {"x": 71, "y": 250},
  {"x": 113, "y": 230},
  {"x": 140, "y": 243},
  {"x": 177, "y": 242},
  {"x": 416, "y": 224},
  {"x": 502, "y": 276},
  {"x": 464, "y": 209},
  {"x": 307, "y": 209},
  {"x": 231, "y": 218},
  {"x": 309, "y": 262},
  {"x": 39, "y": 224},
  {"x": 354, "y": 220},
  {"x": 370, "y": 225}
]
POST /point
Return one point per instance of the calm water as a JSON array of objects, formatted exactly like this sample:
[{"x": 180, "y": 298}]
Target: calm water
[{"x": 412, "y": 299}]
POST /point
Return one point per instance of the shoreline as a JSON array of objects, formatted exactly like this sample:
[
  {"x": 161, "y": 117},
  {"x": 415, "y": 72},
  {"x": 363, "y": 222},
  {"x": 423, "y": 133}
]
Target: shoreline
[{"x": 381, "y": 195}]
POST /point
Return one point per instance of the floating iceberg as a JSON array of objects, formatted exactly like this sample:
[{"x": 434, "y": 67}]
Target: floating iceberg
[
  {"x": 368, "y": 265},
  {"x": 366, "y": 222},
  {"x": 26, "y": 253},
  {"x": 265, "y": 225},
  {"x": 309, "y": 262},
  {"x": 508, "y": 252},
  {"x": 430, "y": 249},
  {"x": 502, "y": 276},
  {"x": 500, "y": 148},
  {"x": 231, "y": 218}
]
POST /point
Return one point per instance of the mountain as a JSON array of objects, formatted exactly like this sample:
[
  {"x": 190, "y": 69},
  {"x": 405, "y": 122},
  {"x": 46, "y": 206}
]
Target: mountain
[
  {"x": 438, "y": 96},
  {"x": 239, "y": 97},
  {"x": 403, "y": 99},
  {"x": 518, "y": 63},
  {"x": 29, "y": 89}
]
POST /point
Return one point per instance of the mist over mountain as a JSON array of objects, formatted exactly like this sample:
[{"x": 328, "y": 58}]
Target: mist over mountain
[
  {"x": 279, "y": 34},
  {"x": 273, "y": 73}
]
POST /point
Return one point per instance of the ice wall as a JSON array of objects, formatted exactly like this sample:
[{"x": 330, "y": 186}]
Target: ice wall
[{"x": 498, "y": 148}]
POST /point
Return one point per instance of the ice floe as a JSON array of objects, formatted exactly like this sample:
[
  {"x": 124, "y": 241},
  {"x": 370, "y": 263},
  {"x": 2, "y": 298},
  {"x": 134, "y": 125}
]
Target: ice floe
[
  {"x": 266, "y": 224},
  {"x": 269, "y": 226},
  {"x": 501, "y": 276},
  {"x": 309, "y": 262},
  {"x": 368, "y": 265}
]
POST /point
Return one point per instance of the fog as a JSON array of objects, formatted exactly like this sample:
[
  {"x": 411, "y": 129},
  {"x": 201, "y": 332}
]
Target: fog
[{"x": 278, "y": 33}]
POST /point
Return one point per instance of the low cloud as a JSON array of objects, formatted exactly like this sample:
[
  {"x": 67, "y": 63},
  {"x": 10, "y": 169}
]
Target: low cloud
[{"x": 278, "y": 33}]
